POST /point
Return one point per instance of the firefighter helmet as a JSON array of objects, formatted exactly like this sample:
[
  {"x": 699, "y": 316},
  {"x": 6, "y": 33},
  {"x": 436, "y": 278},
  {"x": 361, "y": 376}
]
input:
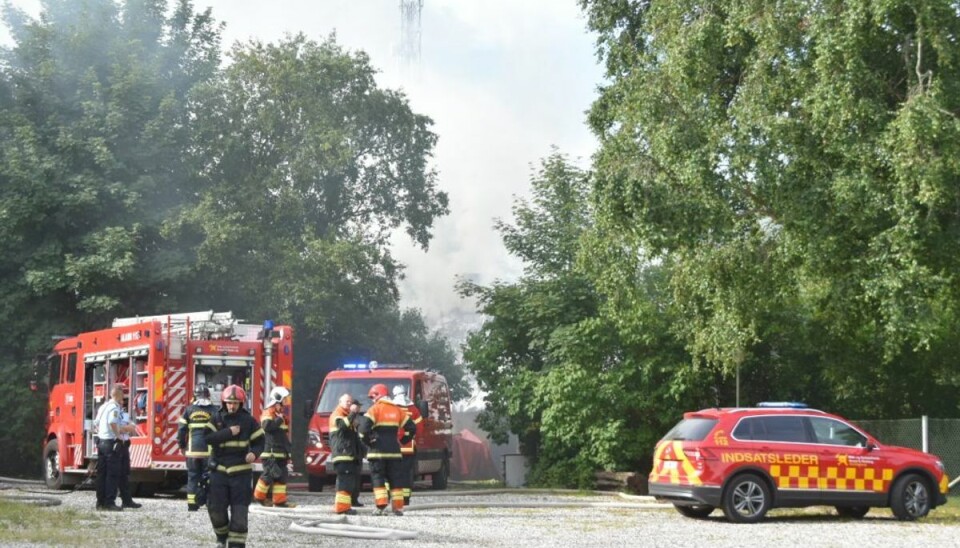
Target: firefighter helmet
[
  {"x": 277, "y": 395},
  {"x": 233, "y": 393},
  {"x": 378, "y": 391},
  {"x": 201, "y": 391},
  {"x": 400, "y": 395}
]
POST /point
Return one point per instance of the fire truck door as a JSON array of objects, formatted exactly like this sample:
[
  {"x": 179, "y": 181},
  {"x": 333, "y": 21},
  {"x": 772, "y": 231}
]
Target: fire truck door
[{"x": 95, "y": 395}]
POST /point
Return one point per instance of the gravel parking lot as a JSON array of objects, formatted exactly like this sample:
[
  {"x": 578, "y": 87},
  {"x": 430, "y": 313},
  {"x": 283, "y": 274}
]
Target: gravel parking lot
[{"x": 597, "y": 520}]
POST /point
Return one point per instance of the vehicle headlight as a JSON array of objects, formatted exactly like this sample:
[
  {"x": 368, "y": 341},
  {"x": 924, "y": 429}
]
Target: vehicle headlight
[
  {"x": 939, "y": 465},
  {"x": 314, "y": 439}
]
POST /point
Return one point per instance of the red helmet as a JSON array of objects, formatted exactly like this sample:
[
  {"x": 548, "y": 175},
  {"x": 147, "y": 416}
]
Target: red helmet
[
  {"x": 378, "y": 391},
  {"x": 233, "y": 393}
]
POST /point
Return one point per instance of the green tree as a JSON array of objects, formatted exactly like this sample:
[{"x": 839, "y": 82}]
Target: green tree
[
  {"x": 795, "y": 163},
  {"x": 574, "y": 386},
  {"x": 308, "y": 167},
  {"x": 93, "y": 123}
]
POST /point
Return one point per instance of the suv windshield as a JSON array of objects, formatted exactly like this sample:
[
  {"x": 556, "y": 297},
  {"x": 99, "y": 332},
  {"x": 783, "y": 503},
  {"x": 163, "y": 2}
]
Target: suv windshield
[
  {"x": 358, "y": 388},
  {"x": 690, "y": 430}
]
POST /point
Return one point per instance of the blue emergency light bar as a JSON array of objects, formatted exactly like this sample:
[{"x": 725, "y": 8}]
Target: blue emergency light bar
[
  {"x": 374, "y": 365},
  {"x": 783, "y": 404}
]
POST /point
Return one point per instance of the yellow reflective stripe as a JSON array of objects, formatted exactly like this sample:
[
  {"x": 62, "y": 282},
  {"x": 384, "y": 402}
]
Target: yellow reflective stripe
[
  {"x": 283, "y": 427},
  {"x": 388, "y": 424},
  {"x": 256, "y": 434},
  {"x": 232, "y": 469},
  {"x": 418, "y": 420},
  {"x": 342, "y": 458},
  {"x": 274, "y": 455},
  {"x": 384, "y": 455},
  {"x": 194, "y": 426},
  {"x": 241, "y": 443},
  {"x": 197, "y": 453},
  {"x": 182, "y": 420}
]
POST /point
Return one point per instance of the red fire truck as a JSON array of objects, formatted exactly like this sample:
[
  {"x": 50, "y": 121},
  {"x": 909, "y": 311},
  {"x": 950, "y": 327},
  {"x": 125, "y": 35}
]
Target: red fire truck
[
  {"x": 427, "y": 389},
  {"x": 159, "y": 359}
]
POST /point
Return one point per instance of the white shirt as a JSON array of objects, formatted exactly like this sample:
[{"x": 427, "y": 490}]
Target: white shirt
[
  {"x": 108, "y": 414},
  {"x": 124, "y": 420}
]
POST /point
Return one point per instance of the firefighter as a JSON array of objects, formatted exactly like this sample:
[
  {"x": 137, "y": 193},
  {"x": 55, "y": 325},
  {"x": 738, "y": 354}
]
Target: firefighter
[
  {"x": 195, "y": 423},
  {"x": 276, "y": 454},
  {"x": 379, "y": 430},
  {"x": 236, "y": 440},
  {"x": 408, "y": 450},
  {"x": 355, "y": 411},
  {"x": 344, "y": 448}
]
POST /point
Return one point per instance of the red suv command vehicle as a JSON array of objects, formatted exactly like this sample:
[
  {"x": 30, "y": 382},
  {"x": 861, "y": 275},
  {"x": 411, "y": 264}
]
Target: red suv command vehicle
[
  {"x": 427, "y": 389},
  {"x": 747, "y": 461}
]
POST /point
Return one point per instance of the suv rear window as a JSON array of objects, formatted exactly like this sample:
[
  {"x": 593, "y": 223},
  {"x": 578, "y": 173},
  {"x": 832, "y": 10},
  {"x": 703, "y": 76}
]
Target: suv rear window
[{"x": 690, "y": 430}]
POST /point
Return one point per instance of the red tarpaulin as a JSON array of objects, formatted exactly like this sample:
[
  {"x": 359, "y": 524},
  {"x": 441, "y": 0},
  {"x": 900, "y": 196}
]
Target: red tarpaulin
[{"x": 471, "y": 458}]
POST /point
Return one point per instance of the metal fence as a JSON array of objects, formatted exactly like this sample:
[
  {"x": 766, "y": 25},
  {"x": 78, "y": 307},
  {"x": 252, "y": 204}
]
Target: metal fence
[{"x": 942, "y": 437}]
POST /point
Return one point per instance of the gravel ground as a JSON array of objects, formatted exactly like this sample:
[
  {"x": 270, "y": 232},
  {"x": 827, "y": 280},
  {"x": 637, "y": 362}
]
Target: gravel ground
[{"x": 600, "y": 520}]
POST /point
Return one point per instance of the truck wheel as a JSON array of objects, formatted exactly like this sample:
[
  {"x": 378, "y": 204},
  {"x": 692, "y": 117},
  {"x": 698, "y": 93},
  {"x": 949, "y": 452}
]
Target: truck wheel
[
  {"x": 910, "y": 498},
  {"x": 696, "y": 511},
  {"x": 439, "y": 478},
  {"x": 746, "y": 499},
  {"x": 51, "y": 465},
  {"x": 314, "y": 484},
  {"x": 144, "y": 489}
]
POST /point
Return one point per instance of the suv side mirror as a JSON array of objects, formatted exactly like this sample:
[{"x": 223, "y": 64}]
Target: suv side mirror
[
  {"x": 308, "y": 409},
  {"x": 870, "y": 446}
]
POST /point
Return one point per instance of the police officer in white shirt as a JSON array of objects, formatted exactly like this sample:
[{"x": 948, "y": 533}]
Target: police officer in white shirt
[{"x": 108, "y": 451}]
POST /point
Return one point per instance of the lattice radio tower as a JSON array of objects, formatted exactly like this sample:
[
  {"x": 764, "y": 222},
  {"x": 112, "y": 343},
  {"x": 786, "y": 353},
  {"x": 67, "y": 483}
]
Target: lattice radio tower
[{"x": 410, "y": 33}]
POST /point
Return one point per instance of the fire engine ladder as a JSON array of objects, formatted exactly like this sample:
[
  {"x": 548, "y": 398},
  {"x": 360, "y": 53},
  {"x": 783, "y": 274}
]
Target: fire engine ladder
[{"x": 202, "y": 325}]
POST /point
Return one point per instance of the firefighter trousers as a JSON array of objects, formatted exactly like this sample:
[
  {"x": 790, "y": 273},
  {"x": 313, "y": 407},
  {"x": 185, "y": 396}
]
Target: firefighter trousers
[
  {"x": 195, "y": 470},
  {"x": 358, "y": 480},
  {"x": 383, "y": 471},
  {"x": 228, "y": 505},
  {"x": 408, "y": 465},
  {"x": 347, "y": 479},
  {"x": 274, "y": 475}
]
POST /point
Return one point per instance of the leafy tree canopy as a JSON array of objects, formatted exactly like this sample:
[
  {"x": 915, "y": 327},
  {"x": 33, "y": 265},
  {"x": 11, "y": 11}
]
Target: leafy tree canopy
[{"x": 795, "y": 163}]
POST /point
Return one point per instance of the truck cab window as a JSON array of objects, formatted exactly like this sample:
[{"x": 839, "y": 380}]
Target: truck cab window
[{"x": 54, "y": 362}]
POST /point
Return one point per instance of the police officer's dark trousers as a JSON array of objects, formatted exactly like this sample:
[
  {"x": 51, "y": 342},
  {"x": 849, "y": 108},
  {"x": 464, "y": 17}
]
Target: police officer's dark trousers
[
  {"x": 108, "y": 472},
  {"x": 230, "y": 493},
  {"x": 123, "y": 478}
]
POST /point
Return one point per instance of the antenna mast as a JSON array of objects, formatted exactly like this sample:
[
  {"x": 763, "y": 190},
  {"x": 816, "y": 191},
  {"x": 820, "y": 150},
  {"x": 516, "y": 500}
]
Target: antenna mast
[{"x": 410, "y": 33}]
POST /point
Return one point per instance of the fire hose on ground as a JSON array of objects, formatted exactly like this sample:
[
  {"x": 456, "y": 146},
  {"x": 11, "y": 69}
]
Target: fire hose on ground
[{"x": 320, "y": 522}]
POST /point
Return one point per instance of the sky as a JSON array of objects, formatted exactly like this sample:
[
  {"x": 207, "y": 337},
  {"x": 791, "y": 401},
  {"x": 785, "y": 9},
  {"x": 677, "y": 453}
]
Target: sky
[{"x": 504, "y": 82}]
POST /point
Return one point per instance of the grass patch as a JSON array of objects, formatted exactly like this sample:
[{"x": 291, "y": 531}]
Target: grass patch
[
  {"x": 56, "y": 525},
  {"x": 949, "y": 513}
]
